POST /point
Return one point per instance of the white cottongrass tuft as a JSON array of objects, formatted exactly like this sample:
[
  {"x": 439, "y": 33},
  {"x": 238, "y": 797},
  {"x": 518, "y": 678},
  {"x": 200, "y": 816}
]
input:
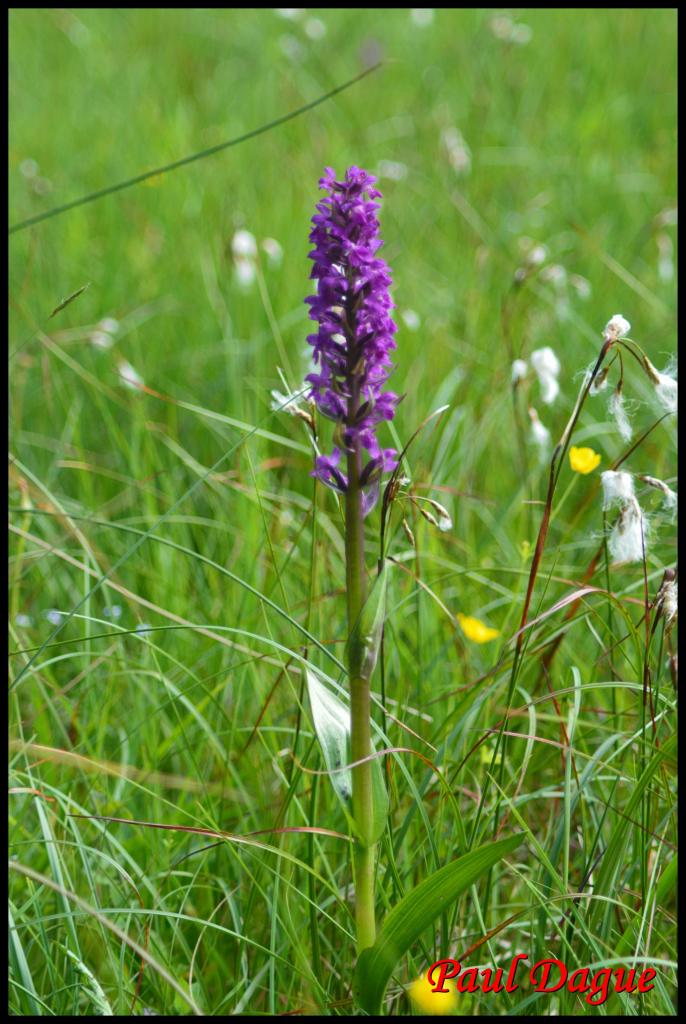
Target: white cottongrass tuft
[
  {"x": 666, "y": 387},
  {"x": 411, "y": 319},
  {"x": 443, "y": 517},
  {"x": 618, "y": 411},
  {"x": 29, "y": 168},
  {"x": 618, "y": 488},
  {"x": 509, "y": 31},
  {"x": 520, "y": 369},
  {"x": 130, "y": 377},
  {"x": 555, "y": 274},
  {"x": 627, "y": 542},
  {"x": 665, "y": 248},
  {"x": 581, "y": 285},
  {"x": 600, "y": 382},
  {"x": 537, "y": 255},
  {"x": 459, "y": 153},
  {"x": 273, "y": 250},
  {"x": 244, "y": 249},
  {"x": 104, "y": 333},
  {"x": 540, "y": 435},
  {"x": 315, "y": 28},
  {"x": 669, "y": 602},
  {"x": 286, "y": 403},
  {"x": 393, "y": 170},
  {"x": 670, "y": 499},
  {"x": 422, "y": 16},
  {"x": 243, "y": 244},
  {"x": 547, "y": 368},
  {"x": 617, "y": 327}
]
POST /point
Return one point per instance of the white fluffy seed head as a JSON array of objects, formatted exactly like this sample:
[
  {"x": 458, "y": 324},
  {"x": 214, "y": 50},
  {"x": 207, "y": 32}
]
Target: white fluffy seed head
[
  {"x": 130, "y": 377},
  {"x": 540, "y": 435},
  {"x": 600, "y": 382},
  {"x": 273, "y": 250},
  {"x": 618, "y": 411},
  {"x": 243, "y": 244},
  {"x": 547, "y": 367},
  {"x": 628, "y": 539},
  {"x": 667, "y": 391},
  {"x": 618, "y": 488},
  {"x": 444, "y": 519},
  {"x": 670, "y": 604},
  {"x": 537, "y": 255},
  {"x": 616, "y": 327},
  {"x": 411, "y": 319},
  {"x": 670, "y": 498},
  {"x": 519, "y": 370},
  {"x": 544, "y": 360}
]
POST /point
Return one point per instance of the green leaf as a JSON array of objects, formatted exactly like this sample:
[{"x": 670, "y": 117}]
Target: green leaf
[
  {"x": 415, "y": 912},
  {"x": 366, "y": 635},
  {"x": 331, "y": 719}
]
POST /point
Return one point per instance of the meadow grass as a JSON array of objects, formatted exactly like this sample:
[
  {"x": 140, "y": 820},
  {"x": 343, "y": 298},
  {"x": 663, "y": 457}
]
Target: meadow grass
[{"x": 175, "y": 522}]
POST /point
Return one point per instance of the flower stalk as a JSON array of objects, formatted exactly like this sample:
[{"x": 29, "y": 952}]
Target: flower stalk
[
  {"x": 360, "y": 709},
  {"x": 351, "y": 351}
]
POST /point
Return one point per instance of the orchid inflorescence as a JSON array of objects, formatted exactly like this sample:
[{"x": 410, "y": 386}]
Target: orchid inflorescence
[{"x": 354, "y": 338}]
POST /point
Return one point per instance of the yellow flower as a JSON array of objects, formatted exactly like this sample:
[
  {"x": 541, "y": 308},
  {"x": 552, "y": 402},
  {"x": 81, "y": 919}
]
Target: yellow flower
[
  {"x": 434, "y": 1003},
  {"x": 583, "y": 460},
  {"x": 476, "y": 630}
]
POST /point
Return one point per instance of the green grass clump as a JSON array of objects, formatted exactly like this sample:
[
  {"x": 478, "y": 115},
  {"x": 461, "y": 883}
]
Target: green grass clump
[{"x": 173, "y": 566}]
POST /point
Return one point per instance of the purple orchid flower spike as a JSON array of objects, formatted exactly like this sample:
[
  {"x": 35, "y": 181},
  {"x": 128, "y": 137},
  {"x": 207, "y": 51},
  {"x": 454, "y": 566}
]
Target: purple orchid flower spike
[{"x": 355, "y": 330}]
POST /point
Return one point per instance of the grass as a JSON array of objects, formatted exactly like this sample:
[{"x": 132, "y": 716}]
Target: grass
[{"x": 177, "y": 526}]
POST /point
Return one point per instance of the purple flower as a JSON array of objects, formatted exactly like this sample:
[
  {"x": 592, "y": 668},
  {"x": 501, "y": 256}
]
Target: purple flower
[{"x": 352, "y": 346}]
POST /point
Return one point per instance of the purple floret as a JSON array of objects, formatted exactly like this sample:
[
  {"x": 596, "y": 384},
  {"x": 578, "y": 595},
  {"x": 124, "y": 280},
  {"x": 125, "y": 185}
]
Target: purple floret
[{"x": 355, "y": 330}]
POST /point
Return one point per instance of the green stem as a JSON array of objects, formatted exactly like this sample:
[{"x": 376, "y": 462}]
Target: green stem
[{"x": 360, "y": 709}]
